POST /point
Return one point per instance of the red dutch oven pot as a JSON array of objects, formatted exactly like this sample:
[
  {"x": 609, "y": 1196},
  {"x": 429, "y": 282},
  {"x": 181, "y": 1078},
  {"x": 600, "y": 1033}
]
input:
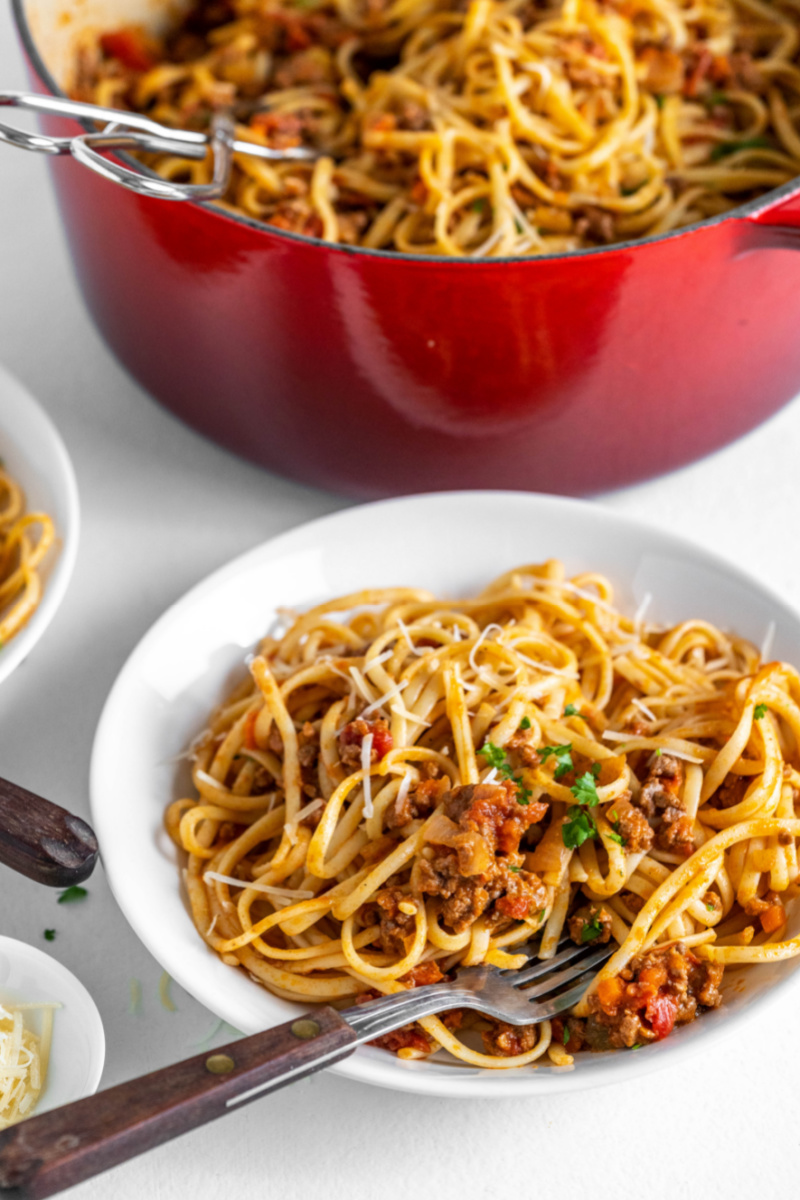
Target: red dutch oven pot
[{"x": 374, "y": 373}]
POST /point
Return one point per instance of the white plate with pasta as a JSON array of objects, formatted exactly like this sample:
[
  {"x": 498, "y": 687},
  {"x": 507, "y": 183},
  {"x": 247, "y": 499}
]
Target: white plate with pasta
[
  {"x": 528, "y": 718},
  {"x": 39, "y": 522}
]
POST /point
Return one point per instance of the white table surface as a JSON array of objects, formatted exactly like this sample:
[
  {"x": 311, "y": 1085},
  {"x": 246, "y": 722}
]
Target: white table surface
[{"x": 148, "y": 486}]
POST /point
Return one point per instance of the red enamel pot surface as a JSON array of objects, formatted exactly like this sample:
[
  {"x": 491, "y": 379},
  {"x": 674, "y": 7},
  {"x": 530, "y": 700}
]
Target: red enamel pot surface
[{"x": 374, "y": 373}]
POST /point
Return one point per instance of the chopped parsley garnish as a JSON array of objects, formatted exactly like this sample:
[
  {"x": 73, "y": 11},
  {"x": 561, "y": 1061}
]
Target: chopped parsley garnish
[
  {"x": 565, "y": 1038},
  {"x": 478, "y": 205},
  {"x": 636, "y": 1046},
  {"x": 595, "y": 769},
  {"x": 760, "y": 711},
  {"x": 514, "y": 869},
  {"x": 525, "y": 723},
  {"x": 659, "y": 752},
  {"x": 715, "y": 98},
  {"x": 584, "y": 789},
  {"x": 591, "y": 930},
  {"x": 711, "y": 907},
  {"x": 578, "y": 827},
  {"x": 563, "y": 757},
  {"x": 571, "y": 711},
  {"x": 497, "y": 758},
  {"x": 49, "y": 935},
  {"x": 725, "y": 148},
  {"x": 616, "y": 837},
  {"x": 659, "y": 99},
  {"x": 72, "y": 893}
]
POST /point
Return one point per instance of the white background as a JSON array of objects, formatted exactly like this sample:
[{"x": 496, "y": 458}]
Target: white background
[{"x": 161, "y": 509}]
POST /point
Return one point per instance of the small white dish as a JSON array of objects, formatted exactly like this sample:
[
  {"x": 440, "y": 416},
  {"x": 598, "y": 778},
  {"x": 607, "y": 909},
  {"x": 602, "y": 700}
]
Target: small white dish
[
  {"x": 454, "y": 544},
  {"x": 28, "y": 975},
  {"x": 35, "y": 455}
]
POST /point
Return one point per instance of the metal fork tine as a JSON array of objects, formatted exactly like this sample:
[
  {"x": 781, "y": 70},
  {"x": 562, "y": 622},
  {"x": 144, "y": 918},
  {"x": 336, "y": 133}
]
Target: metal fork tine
[
  {"x": 559, "y": 978},
  {"x": 560, "y": 1003},
  {"x": 544, "y": 966}
]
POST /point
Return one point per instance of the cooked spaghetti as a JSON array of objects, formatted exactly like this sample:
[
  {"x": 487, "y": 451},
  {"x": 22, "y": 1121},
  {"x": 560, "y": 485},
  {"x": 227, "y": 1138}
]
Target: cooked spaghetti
[
  {"x": 489, "y": 127},
  {"x": 25, "y": 539},
  {"x": 403, "y": 785}
]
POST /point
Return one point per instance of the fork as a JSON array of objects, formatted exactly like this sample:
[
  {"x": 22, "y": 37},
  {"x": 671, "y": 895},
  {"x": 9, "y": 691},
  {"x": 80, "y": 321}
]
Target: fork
[{"x": 67, "y": 1145}]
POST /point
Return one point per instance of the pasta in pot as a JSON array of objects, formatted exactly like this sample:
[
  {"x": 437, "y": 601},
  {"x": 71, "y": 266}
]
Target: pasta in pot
[
  {"x": 404, "y": 784},
  {"x": 485, "y": 128}
]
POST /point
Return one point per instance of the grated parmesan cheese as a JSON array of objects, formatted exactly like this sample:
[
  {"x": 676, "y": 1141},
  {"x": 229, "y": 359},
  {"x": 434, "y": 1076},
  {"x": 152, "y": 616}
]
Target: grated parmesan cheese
[
  {"x": 291, "y": 826},
  {"x": 483, "y": 635},
  {"x": 390, "y": 695},
  {"x": 23, "y": 1061},
  {"x": 285, "y": 893},
  {"x": 766, "y": 645},
  {"x": 366, "y": 762}
]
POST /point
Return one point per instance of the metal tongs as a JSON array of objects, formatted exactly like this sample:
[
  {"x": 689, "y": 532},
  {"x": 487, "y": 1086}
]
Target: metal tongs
[{"x": 133, "y": 131}]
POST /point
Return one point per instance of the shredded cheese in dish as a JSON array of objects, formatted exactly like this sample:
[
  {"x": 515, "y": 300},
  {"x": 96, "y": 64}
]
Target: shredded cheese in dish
[{"x": 24, "y": 1059}]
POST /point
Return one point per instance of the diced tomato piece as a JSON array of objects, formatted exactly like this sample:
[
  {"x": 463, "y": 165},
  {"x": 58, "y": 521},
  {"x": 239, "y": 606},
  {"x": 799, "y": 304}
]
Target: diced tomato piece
[
  {"x": 651, "y": 979},
  {"x": 610, "y": 992},
  {"x": 131, "y": 47},
  {"x": 354, "y": 733},
  {"x": 660, "y": 1012},
  {"x": 773, "y": 917},
  {"x": 425, "y": 973},
  {"x": 514, "y": 906}
]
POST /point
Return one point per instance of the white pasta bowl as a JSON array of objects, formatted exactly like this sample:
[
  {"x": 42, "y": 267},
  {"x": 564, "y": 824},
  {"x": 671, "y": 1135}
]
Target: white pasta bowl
[
  {"x": 453, "y": 544},
  {"x": 35, "y": 455},
  {"x": 29, "y": 976}
]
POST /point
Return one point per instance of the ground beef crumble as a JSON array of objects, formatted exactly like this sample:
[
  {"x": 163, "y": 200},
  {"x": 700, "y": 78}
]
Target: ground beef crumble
[
  {"x": 663, "y": 806},
  {"x": 485, "y": 818},
  {"x": 658, "y": 990},
  {"x": 590, "y": 925},
  {"x": 352, "y": 737}
]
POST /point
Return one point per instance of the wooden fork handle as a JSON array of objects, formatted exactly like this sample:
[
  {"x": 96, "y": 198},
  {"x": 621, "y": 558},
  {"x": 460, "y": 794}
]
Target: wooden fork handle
[
  {"x": 43, "y": 841},
  {"x": 45, "y": 1154}
]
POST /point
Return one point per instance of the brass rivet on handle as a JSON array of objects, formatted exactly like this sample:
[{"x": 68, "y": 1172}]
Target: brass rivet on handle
[
  {"x": 220, "y": 1064},
  {"x": 306, "y": 1028}
]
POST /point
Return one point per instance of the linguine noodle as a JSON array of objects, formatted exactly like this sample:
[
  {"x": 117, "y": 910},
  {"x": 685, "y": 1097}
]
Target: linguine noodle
[
  {"x": 25, "y": 538},
  {"x": 484, "y": 128},
  {"x": 404, "y": 784}
]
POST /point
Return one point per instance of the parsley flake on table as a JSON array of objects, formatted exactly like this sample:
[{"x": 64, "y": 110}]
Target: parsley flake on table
[
  {"x": 49, "y": 935},
  {"x": 760, "y": 711},
  {"x": 72, "y": 893},
  {"x": 563, "y": 757}
]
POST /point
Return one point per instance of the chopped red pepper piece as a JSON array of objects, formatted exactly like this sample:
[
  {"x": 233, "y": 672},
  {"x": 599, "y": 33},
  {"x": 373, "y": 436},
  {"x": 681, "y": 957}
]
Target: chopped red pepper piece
[{"x": 131, "y": 47}]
